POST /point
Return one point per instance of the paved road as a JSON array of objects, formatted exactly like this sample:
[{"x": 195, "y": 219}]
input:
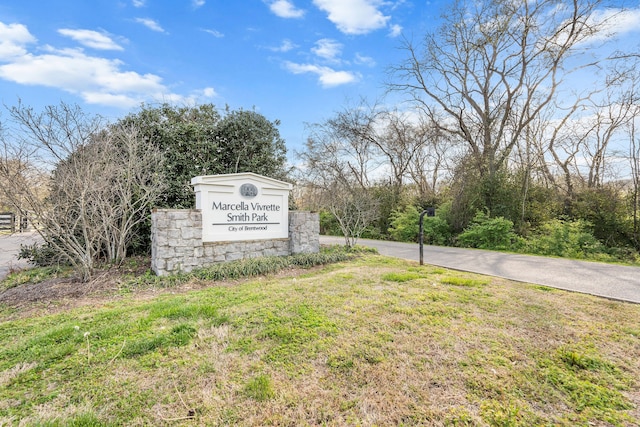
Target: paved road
[
  {"x": 605, "y": 280},
  {"x": 10, "y": 247}
]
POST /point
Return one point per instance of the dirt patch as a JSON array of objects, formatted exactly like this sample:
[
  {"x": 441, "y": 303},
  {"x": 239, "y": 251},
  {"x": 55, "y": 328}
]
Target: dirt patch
[
  {"x": 60, "y": 294},
  {"x": 105, "y": 281},
  {"x": 61, "y": 288}
]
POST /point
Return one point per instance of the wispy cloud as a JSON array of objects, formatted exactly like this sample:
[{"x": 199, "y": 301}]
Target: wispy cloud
[
  {"x": 150, "y": 24},
  {"x": 95, "y": 79},
  {"x": 328, "y": 49},
  {"x": 365, "y": 60},
  {"x": 327, "y": 77},
  {"x": 285, "y": 46},
  {"x": 285, "y": 9},
  {"x": 197, "y": 3},
  {"x": 138, "y": 3},
  {"x": 90, "y": 38},
  {"x": 617, "y": 21},
  {"x": 610, "y": 22},
  {"x": 354, "y": 16},
  {"x": 214, "y": 33}
]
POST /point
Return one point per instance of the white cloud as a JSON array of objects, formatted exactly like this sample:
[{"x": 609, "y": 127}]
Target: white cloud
[
  {"x": 327, "y": 77},
  {"x": 354, "y": 16},
  {"x": 395, "y": 30},
  {"x": 365, "y": 60},
  {"x": 616, "y": 21},
  {"x": 13, "y": 39},
  {"x": 111, "y": 100},
  {"x": 138, "y": 3},
  {"x": 285, "y": 46},
  {"x": 150, "y": 24},
  {"x": 197, "y": 3},
  {"x": 90, "y": 38},
  {"x": 327, "y": 49},
  {"x": 209, "y": 92},
  {"x": 96, "y": 80},
  {"x": 611, "y": 23},
  {"x": 214, "y": 33},
  {"x": 87, "y": 76},
  {"x": 285, "y": 9}
]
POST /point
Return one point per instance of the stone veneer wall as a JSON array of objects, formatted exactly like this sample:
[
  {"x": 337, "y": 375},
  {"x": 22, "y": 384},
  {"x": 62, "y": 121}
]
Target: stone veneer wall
[
  {"x": 304, "y": 232},
  {"x": 176, "y": 241}
]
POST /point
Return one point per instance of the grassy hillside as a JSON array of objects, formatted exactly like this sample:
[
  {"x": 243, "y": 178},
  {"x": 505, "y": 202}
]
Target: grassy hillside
[{"x": 375, "y": 341}]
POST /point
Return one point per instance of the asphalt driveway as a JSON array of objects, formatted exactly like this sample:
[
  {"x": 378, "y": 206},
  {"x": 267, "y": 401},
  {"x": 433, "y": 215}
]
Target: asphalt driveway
[
  {"x": 605, "y": 280},
  {"x": 10, "y": 247}
]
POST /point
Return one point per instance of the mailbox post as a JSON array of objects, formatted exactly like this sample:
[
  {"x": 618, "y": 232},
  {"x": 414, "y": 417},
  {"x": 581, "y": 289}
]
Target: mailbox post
[{"x": 428, "y": 212}]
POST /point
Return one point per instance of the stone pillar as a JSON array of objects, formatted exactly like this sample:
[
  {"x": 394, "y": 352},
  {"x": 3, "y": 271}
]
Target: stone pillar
[
  {"x": 176, "y": 240},
  {"x": 304, "y": 232}
]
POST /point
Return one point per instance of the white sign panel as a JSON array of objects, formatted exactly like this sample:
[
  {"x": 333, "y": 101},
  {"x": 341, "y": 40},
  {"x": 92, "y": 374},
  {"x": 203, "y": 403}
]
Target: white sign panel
[{"x": 242, "y": 206}]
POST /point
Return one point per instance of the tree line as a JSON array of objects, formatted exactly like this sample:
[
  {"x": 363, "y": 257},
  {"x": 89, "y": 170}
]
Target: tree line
[{"x": 519, "y": 113}]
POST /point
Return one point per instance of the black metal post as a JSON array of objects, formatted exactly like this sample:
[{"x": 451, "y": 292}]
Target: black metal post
[{"x": 421, "y": 238}]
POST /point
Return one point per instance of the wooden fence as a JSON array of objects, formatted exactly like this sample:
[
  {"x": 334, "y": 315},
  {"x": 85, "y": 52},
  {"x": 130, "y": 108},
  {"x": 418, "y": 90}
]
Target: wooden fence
[{"x": 8, "y": 221}]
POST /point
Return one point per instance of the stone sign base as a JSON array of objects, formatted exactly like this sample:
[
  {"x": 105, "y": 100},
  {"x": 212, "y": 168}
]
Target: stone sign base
[{"x": 176, "y": 241}]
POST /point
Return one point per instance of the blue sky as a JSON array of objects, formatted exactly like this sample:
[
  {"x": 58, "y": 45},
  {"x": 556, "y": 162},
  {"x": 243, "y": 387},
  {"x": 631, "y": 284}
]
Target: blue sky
[{"x": 293, "y": 60}]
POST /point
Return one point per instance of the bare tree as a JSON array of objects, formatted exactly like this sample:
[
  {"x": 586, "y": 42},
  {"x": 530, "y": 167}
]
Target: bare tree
[
  {"x": 400, "y": 139},
  {"x": 431, "y": 161},
  {"x": 634, "y": 160},
  {"x": 354, "y": 207},
  {"x": 133, "y": 181},
  {"x": 493, "y": 68},
  {"x": 335, "y": 173},
  {"x": 346, "y": 140},
  {"x": 365, "y": 146},
  {"x": 98, "y": 181},
  {"x": 633, "y": 100},
  {"x": 606, "y": 126},
  {"x": 575, "y": 141}
]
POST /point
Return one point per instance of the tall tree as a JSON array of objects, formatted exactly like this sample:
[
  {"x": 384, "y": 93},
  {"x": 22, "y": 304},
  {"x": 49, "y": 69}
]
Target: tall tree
[
  {"x": 251, "y": 143},
  {"x": 335, "y": 173},
  {"x": 634, "y": 161},
  {"x": 199, "y": 140},
  {"x": 492, "y": 68},
  {"x": 186, "y": 137}
]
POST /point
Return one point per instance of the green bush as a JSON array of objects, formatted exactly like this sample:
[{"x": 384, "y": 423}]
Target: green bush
[
  {"x": 41, "y": 255},
  {"x": 405, "y": 227},
  {"x": 488, "y": 233},
  {"x": 436, "y": 231},
  {"x": 571, "y": 239},
  {"x": 329, "y": 224},
  {"x": 268, "y": 265},
  {"x": 373, "y": 232},
  {"x": 405, "y": 224},
  {"x": 605, "y": 211}
]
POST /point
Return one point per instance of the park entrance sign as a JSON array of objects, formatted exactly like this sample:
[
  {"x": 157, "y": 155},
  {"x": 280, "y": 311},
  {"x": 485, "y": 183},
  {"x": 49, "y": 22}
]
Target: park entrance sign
[
  {"x": 237, "y": 216},
  {"x": 242, "y": 206}
]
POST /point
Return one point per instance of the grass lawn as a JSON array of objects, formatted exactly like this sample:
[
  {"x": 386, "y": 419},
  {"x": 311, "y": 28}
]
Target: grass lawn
[{"x": 372, "y": 341}]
